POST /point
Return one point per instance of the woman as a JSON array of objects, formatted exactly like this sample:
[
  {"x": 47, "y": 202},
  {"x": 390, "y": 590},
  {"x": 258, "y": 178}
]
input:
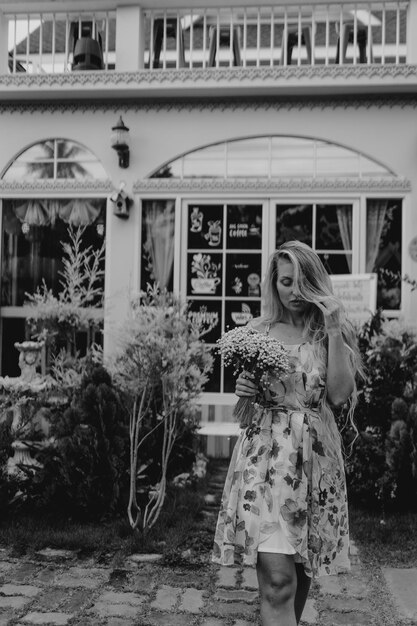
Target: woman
[{"x": 284, "y": 506}]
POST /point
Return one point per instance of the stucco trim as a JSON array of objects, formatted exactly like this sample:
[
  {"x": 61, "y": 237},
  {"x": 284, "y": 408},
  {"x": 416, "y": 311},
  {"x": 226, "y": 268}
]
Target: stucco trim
[
  {"x": 279, "y": 185},
  {"x": 55, "y": 186},
  {"x": 197, "y": 75}
]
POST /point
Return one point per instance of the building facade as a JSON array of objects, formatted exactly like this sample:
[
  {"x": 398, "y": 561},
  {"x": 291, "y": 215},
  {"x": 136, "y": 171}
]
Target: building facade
[{"x": 248, "y": 124}]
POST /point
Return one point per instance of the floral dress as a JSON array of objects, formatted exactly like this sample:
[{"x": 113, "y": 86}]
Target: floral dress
[{"x": 284, "y": 482}]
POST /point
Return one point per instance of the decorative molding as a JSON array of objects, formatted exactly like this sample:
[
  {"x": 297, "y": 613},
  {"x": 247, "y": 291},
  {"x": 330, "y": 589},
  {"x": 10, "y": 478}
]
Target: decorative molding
[
  {"x": 270, "y": 186},
  {"x": 47, "y": 186},
  {"x": 109, "y": 78},
  {"x": 83, "y": 91}
]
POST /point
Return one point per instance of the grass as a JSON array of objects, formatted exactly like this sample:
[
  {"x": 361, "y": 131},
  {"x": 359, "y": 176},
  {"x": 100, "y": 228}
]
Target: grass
[
  {"x": 181, "y": 527},
  {"x": 391, "y": 542}
]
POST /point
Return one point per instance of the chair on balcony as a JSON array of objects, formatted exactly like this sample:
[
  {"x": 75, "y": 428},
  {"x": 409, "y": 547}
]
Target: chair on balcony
[
  {"x": 361, "y": 41},
  {"x": 174, "y": 31},
  {"x": 290, "y": 41},
  {"x": 222, "y": 35}
]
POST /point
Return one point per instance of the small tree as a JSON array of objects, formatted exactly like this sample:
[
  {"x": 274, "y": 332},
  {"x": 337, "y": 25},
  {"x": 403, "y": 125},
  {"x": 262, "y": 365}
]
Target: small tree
[
  {"x": 57, "y": 319},
  {"x": 161, "y": 368}
]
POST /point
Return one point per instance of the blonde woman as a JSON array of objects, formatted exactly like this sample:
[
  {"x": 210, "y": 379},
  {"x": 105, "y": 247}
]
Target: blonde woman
[{"x": 284, "y": 505}]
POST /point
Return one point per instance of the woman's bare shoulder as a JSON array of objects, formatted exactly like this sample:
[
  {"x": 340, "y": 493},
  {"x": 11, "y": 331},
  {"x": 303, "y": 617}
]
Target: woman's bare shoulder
[{"x": 258, "y": 323}]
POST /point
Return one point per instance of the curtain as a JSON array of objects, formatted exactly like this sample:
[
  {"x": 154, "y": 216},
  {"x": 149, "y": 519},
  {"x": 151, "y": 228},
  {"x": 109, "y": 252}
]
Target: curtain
[
  {"x": 79, "y": 212},
  {"x": 376, "y": 210},
  {"x": 344, "y": 219},
  {"x": 159, "y": 221}
]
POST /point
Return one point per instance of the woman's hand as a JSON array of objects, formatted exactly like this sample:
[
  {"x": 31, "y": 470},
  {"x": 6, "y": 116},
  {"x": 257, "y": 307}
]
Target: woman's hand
[
  {"x": 245, "y": 387},
  {"x": 331, "y": 314}
]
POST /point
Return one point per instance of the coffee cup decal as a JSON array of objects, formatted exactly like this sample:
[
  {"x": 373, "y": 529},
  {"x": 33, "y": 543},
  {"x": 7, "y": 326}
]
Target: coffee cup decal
[
  {"x": 206, "y": 279},
  {"x": 214, "y": 235},
  {"x": 242, "y": 317}
]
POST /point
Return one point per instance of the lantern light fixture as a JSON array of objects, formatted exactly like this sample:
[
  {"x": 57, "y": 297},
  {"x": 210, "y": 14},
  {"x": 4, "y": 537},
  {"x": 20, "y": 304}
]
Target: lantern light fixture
[{"x": 120, "y": 142}]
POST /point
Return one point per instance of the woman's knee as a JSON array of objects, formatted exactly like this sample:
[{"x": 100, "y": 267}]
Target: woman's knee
[{"x": 278, "y": 585}]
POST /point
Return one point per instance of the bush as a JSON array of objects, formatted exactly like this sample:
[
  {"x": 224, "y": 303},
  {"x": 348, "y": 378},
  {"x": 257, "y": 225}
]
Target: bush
[
  {"x": 85, "y": 471},
  {"x": 382, "y": 467}
]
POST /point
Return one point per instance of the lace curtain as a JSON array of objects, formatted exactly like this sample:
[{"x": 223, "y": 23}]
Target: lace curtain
[
  {"x": 78, "y": 212},
  {"x": 376, "y": 211},
  {"x": 344, "y": 220},
  {"x": 159, "y": 225}
]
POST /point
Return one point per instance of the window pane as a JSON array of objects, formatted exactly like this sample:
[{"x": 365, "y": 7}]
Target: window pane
[
  {"x": 248, "y": 158},
  {"x": 244, "y": 226},
  {"x": 334, "y": 227},
  {"x": 336, "y": 263},
  {"x": 33, "y": 233},
  {"x": 383, "y": 251},
  {"x": 158, "y": 237},
  {"x": 294, "y": 222},
  {"x": 13, "y": 329}
]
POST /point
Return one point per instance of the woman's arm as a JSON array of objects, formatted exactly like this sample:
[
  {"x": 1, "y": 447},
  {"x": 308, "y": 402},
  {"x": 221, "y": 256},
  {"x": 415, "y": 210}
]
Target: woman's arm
[{"x": 340, "y": 378}]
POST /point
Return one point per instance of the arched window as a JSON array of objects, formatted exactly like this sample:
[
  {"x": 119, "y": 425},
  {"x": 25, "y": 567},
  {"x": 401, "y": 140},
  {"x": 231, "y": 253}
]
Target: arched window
[
  {"x": 55, "y": 159},
  {"x": 36, "y": 229},
  {"x": 270, "y": 158}
]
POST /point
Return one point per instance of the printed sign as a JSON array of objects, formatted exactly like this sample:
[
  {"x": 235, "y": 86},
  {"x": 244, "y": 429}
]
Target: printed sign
[
  {"x": 239, "y": 313},
  {"x": 208, "y": 315},
  {"x": 358, "y": 294},
  {"x": 205, "y": 226},
  {"x": 244, "y": 226},
  {"x": 243, "y": 275},
  {"x": 204, "y": 274}
]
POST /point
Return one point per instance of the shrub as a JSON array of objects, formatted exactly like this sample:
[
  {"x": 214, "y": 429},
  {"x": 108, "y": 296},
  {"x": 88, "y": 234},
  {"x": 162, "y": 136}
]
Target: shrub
[
  {"x": 382, "y": 467},
  {"x": 161, "y": 369}
]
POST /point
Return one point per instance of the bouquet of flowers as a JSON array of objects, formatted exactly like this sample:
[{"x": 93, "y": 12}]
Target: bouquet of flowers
[{"x": 257, "y": 353}]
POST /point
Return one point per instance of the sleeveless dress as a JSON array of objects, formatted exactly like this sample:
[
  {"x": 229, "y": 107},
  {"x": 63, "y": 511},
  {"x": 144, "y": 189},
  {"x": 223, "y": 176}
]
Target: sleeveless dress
[{"x": 285, "y": 492}]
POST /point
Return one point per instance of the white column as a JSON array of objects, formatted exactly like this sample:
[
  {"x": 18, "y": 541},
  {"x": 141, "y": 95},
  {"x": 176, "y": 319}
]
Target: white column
[
  {"x": 4, "y": 41},
  {"x": 411, "y": 31},
  {"x": 129, "y": 38}
]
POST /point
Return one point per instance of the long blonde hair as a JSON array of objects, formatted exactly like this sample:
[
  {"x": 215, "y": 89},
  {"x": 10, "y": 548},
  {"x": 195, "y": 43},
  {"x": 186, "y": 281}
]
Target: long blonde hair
[{"x": 313, "y": 285}]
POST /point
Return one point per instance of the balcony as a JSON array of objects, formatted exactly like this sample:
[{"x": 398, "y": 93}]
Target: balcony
[{"x": 277, "y": 49}]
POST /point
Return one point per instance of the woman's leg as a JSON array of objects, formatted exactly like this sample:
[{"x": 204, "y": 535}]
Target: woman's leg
[
  {"x": 277, "y": 579},
  {"x": 303, "y": 587}
]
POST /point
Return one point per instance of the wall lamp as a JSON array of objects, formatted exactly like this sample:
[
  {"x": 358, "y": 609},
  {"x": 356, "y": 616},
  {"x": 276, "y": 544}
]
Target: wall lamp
[{"x": 120, "y": 142}]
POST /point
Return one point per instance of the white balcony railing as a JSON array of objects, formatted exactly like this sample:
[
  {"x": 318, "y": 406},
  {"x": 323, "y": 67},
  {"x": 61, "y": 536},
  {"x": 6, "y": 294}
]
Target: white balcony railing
[{"x": 332, "y": 33}]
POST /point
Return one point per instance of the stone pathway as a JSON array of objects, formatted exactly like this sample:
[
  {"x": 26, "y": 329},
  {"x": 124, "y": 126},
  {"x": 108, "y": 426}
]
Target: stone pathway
[{"x": 54, "y": 587}]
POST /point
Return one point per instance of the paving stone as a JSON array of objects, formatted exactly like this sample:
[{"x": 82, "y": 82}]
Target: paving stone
[
  {"x": 81, "y": 577},
  {"x": 167, "y": 619},
  {"x": 354, "y": 587},
  {"x": 330, "y": 585},
  {"x": 230, "y": 595},
  {"x": 119, "y": 621},
  {"x": 226, "y": 577},
  {"x": 144, "y": 558},
  {"x": 20, "y": 590},
  {"x": 242, "y": 622},
  {"x": 13, "y": 602},
  {"x": 249, "y": 578},
  {"x": 347, "y": 604},
  {"x": 113, "y": 597},
  {"x": 60, "y": 619},
  {"x": 51, "y": 599},
  {"x": 213, "y": 621},
  {"x": 5, "y": 618},
  {"x": 402, "y": 584},
  {"x": 232, "y": 609},
  {"x": 104, "y": 609},
  {"x": 352, "y": 618},
  {"x": 23, "y": 572},
  {"x": 142, "y": 583},
  {"x": 51, "y": 554},
  {"x": 76, "y": 601},
  {"x": 192, "y": 601},
  {"x": 353, "y": 549},
  {"x": 166, "y": 598},
  {"x": 46, "y": 575},
  {"x": 310, "y": 614}
]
